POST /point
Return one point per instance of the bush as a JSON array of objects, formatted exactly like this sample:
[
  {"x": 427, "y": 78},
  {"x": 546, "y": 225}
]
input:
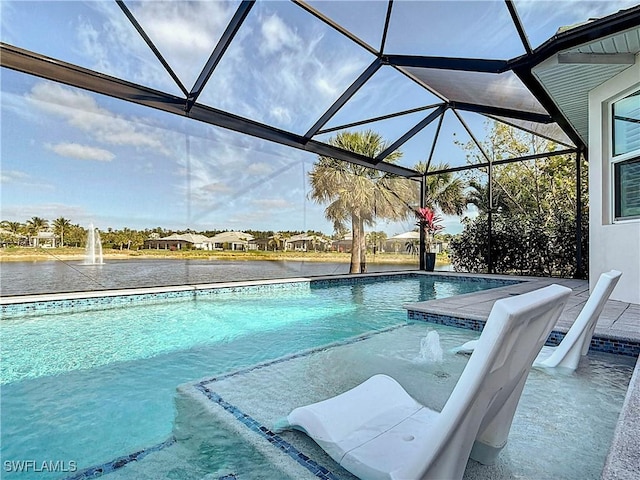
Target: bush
[{"x": 521, "y": 244}]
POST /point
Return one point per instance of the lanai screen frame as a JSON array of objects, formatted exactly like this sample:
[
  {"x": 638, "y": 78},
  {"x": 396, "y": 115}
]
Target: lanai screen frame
[{"x": 36, "y": 64}]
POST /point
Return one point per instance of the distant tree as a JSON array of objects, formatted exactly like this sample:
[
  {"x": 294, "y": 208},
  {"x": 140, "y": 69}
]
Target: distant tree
[
  {"x": 412, "y": 246},
  {"x": 75, "y": 235},
  {"x": 376, "y": 240},
  {"x": 274, "y": 242},
  {"x": 533, "y": 206},
  {"x": 60, "y": 225},
  {"x": 35, "y": 225},
  {"x": 11, "y": 232},
  {"x": 357, "y": 195},
  {"x": 14, "y": 227}
]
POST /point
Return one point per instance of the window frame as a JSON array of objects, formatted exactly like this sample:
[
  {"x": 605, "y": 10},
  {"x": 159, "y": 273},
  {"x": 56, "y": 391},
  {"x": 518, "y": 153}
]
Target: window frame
[{"x": 617, "y": 160}]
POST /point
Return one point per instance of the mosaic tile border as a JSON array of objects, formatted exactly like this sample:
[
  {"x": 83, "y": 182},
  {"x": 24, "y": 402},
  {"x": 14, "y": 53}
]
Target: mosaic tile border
[
  {"x": 123, "y": 300},
  {"x": 304, "y": 353},
  {"x": 373, "y": 278},
  {"x": 117, "y": 463},
  {"x": 43, "y": 307},
  {"x": 274, "y": 439},
  {"x": 598, "y": 343}
]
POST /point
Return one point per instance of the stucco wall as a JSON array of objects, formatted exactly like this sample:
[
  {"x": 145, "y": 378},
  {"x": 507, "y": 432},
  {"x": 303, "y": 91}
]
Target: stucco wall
[{"x": 611, "y": 245}]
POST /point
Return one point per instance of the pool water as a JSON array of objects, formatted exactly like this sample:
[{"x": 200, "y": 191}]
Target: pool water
[{"x": 91, "y": 386}]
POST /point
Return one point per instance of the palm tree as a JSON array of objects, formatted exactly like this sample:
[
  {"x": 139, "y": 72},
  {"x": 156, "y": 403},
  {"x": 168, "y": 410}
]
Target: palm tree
[
  {"x": 11, "y": 231},
  {"x": 444, "y": 191},
  {"x": 478, "y": 195},
  {"x": 376, "y": 240},
  {"x": 35, "y": 225},
  {"x": 61, "y": 224},
  {"x": 274, "y": 241},
  {"x": 13, "y": 227},
  {"x": 358, "y": 194}
]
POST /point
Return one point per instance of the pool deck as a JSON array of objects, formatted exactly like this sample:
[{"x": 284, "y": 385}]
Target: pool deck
[{"x": 618, "y": 321}]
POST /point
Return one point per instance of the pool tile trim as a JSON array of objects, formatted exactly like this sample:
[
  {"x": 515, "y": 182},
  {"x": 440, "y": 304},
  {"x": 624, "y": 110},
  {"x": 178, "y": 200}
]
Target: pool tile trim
[
  {"x": 265, "y": 432},
  {"x": 609, "y": 344},
  {"x": 273, "y": 438},
  {"x": 117, "y": 463}
]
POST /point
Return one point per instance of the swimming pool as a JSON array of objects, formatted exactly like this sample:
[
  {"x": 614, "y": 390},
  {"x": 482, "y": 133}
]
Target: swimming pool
[{"x": 90, "y": 386}]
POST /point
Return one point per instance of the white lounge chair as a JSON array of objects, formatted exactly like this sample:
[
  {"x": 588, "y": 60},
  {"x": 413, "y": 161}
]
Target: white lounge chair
[
  {"x": 377, "y": 431},
  {"x": 576, "y": 342}
]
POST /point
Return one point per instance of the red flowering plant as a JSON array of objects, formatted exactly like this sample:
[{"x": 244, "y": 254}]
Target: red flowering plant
[{"x": 429, "y": 222}]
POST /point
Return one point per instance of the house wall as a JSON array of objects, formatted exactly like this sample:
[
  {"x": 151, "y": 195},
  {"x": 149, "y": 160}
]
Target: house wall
[{"x": 612, "y": 245}]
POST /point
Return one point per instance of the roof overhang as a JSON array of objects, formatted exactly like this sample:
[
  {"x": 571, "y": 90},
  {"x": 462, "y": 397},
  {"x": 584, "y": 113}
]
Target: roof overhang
[{"x": 600, "y": 50}]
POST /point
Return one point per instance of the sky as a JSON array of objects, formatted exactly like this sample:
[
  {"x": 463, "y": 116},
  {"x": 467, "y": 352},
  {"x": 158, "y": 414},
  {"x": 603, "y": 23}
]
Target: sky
[{"x": 93, "y": 159}]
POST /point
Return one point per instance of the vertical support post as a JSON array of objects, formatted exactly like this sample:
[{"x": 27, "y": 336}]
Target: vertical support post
[
  {"x": 489, "y": 222},
  {"x": 579, "y": 267},
  {"x": 422, "y": 250},
  {"x": 187, "y": 147}
]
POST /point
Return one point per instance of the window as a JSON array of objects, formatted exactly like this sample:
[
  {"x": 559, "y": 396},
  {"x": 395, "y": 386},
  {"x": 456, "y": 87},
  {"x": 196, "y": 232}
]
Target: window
[
  {"x": 626, "y": 124},
  {"x": 626, "y": 158},
  {"x": 627, "y": 191}
]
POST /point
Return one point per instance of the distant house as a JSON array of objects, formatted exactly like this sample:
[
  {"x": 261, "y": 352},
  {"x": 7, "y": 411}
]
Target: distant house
[
  {"x": 44, "y": 240},
  {"x": 306, "y": 243},
  {"x": 10, "y": 238},
  {"x": 180, "y": 242},
  {"x": 343, "y": 244},
  {"x": 232, "y": 241},
  {"x": 265, "y": 243},
  {"x": 399, "y": 243}
]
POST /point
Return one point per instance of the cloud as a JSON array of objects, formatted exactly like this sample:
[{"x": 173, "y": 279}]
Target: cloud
[
  {"x": 283, "y": 115},
  {"x": 271, "y": 204},
  {"x": 216, "y": 187},
  {"x": 80, "y": 110},
  {"x": 184, "y": 32},
  {"x": 82, "y": 152},
  {"x": 13, "y": 176},
  {"x": 21, "y": 180},
  {"x": 50, "y": 211},
  {"x": 259, "y": 168},
  {"x": 277, "y": 36},
  {"x": 283, "y": 69},
  {"x": 543, "y": 18}
]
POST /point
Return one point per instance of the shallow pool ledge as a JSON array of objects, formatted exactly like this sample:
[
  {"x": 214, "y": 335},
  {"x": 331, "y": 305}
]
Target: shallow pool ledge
[{"x": 617, "y": 331}]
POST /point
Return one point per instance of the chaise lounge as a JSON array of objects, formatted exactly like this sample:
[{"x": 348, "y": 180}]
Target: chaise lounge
[
  {"x": 576, "y": 342},
  {"x": 378, "y": 431}
]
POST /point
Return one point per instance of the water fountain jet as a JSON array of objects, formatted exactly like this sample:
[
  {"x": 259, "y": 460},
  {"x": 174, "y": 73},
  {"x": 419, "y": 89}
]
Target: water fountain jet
[
  {"x": 93, "y": 250},
  {"x": 430, "y": 349}
]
